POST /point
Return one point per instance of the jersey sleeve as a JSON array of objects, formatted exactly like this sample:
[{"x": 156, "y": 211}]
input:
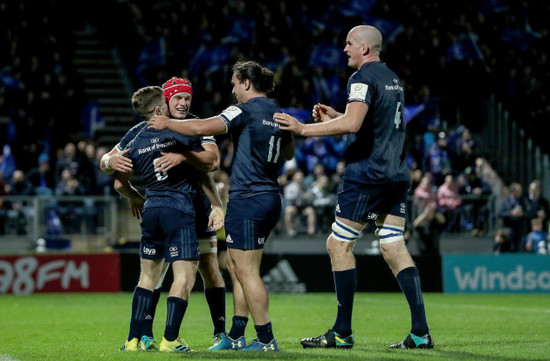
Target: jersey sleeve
[
  {"x": 359, "y": 90},
  {"x": 129, "y": 136},
  {"x": 208, "y": 140},
  {"x": 232, "y": 117}
]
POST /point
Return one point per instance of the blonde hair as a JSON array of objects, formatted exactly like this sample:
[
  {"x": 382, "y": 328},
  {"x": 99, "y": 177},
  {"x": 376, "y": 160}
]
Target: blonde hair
[{"x": 145, "y": 100}]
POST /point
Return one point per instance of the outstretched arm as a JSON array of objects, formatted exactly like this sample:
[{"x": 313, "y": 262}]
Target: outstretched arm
[
  {"x": 323, "y": 113},
  {"x": 349, "y": 122},
  {"x": 195, "y": 127}
]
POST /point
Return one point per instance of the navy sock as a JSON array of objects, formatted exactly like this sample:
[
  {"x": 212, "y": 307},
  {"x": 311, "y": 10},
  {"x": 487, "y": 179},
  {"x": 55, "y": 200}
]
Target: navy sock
[
  {"x": 141, "y": 302},
  {"x": 344, "y": 283},
  {"x": 175, "y": 310},
  {"x": 215, "y": 297},
  {"x": 238, "y": 326},
  {"x": 409, "y": 281},
  {"x": 264, "y": 332},
  {"x": 147, "y": 326}
]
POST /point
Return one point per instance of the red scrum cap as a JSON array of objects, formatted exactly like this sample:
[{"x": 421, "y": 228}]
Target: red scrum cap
[{"x": 176, "y": 86}]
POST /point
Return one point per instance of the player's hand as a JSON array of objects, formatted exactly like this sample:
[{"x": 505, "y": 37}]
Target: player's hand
[
  {"x": 216, "y": 218},
  {"x": 158, "y": 122},
  {"x": 323, "y": 113},
  {"x": 288, "y": 122},
  {"x": 169, "y": 161},
  {"x": 120, "y": 163},
  {"x": 136, "y": 205}
]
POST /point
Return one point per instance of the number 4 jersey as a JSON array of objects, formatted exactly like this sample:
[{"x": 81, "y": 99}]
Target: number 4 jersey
[
  {"x": 258, "y": 144},
  {"x": 375, "y": 154}
]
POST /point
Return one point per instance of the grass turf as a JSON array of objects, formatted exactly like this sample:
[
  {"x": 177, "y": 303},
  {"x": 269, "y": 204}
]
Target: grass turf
[{"x": 465, "y": 327}]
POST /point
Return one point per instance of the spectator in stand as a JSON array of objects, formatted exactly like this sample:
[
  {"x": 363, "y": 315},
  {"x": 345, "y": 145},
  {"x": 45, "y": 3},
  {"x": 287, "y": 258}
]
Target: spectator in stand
[
  {"x": 324, "y": 201},
  {"x": 67, "y": 160},
  {"x": 538, "y": 239},
  {"x": 70, "y": 212},
  {"x": 437, "y": 159},
  {"x": 537, "y": 204},
  {"x": 42, "y": 177},
  {"x": 475, "y": 209},
  {"x": 428, "y": 222},
  {"x": 449, "y": 201},
  {"x": 17, "y": 209},
  {"x": 502, "y": 241},
  {"x": 298, "y": 201},
  {"x": 466, "y": 151},
  {"x": 512, "y": 216},
  {"x": 337, "y": 178},
  {"x": 311, "y": 178}
]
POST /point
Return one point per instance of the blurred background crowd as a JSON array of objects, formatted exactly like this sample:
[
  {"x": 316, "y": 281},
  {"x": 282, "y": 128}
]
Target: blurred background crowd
[{"x": 451, "y": 57}]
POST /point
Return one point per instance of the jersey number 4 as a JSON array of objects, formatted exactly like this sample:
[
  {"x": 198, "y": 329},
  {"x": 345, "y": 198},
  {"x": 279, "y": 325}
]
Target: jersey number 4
[{"x": 398, "y": 116}]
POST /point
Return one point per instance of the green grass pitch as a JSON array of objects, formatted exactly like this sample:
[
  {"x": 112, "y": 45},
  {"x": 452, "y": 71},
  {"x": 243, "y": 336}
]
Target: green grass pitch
[{"x": 465, "y": 327}]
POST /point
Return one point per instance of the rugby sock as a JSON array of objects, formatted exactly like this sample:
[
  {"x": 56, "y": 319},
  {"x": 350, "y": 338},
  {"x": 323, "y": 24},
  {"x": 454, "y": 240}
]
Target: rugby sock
[
  {"x": 175, "y": 310},
  {"x": 238, "y": 326},
  {"x": 215, "y": 297},
  {"x": 147, "y": 326},
  {"x": 141, "y": 302},
  {"x": 409, "y": 281},
  {"x": 264, "y": 332},
  {"x": 344, "y": 284}
]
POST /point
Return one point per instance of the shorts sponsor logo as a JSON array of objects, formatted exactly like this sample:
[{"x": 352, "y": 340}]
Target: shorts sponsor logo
[
  {"x": 402, "y": 208},
  {"x": 149, "y": 251},
  {"x": 372, "y": 215},
  {"x": 338, "y": 208},
  {"x": 174, "y": 251},
  {"x": 261, "y": 240},
  {"x": 228, "y": 239}
]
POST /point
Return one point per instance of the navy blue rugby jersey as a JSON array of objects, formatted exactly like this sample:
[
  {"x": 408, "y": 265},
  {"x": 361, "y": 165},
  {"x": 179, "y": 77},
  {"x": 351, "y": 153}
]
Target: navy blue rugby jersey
[
  {"x": 175, "y": 188},
  {"x": 258, "y": 144},
  {"x": 375, "y": 154},
  {"x": 131, "y": 134}
]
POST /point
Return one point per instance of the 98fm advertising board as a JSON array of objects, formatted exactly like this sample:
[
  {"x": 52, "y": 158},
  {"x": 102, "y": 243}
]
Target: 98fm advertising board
[{"x": 24, "y": 275}]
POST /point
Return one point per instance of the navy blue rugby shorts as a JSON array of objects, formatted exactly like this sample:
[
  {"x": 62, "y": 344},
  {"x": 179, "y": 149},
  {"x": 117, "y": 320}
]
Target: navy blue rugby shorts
[
  {"x": 365, "y": 202},
  {"x": 168, "y": 233},
  {"x": 249, "y": 221}
]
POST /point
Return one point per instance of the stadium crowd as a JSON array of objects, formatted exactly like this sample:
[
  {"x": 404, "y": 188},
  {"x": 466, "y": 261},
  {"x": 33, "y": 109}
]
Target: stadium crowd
[{"x": 451, "y": 59}]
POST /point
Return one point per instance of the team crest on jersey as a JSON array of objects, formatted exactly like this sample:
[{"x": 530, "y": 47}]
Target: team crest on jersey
[
  {"x": 358, "y": 91},
  {"x": 232, "y": 112}
]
